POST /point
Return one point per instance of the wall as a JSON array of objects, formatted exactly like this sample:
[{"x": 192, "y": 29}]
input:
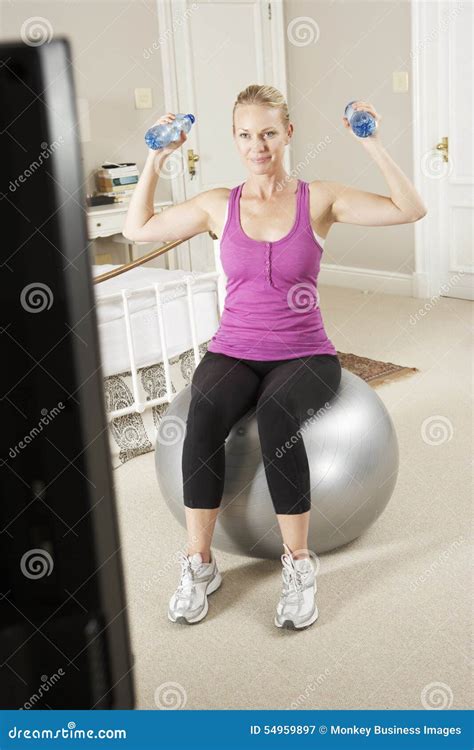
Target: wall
[
  {"x": 108, "y": 39},
  {"x": 356, "y": 47}
]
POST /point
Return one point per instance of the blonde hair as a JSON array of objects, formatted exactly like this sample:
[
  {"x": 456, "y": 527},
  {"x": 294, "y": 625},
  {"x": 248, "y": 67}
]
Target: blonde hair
[{"x": 267, "y": 96}]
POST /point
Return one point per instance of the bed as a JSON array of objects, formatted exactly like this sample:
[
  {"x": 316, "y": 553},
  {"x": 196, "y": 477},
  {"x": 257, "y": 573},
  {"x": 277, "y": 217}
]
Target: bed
[{"x": 154, "y": 326}]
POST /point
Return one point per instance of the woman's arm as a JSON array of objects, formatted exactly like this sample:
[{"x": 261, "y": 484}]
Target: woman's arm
[
  {"x": 180, "y": 222},
  {"x": 352, "y": 206},
  {"x": 141, "y": 206}
]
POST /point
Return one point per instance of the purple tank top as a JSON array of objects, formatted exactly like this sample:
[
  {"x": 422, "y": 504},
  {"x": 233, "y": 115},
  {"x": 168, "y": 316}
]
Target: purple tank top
[{"x": 271, "y": 308}]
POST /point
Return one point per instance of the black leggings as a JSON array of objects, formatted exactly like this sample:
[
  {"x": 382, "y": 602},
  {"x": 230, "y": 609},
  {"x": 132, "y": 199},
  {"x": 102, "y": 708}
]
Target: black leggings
[{"x": 284, "y": 393}]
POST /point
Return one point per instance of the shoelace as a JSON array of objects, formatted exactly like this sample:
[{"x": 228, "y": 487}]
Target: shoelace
[
  {"x": 293, "y": 585},
  {"x": 186, "y": 586}
]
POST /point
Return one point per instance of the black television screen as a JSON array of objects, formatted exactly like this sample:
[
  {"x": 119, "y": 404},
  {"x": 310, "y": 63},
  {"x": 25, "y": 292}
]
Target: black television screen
[{"x": 63, "y": 610}]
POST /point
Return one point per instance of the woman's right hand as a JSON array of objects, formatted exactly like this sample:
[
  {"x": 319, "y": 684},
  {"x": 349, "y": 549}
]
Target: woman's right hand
[{"x": 169, "y": 117}]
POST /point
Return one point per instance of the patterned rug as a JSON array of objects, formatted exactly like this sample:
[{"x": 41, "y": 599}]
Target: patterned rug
[{"x": 373, "y": 371}]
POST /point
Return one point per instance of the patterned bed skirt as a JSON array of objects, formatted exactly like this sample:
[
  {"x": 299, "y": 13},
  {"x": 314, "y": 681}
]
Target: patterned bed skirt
[{"x": 134, "y": 434}]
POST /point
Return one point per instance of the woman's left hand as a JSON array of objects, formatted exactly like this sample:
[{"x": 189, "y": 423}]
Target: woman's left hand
[{"x": 357, "y": 106}]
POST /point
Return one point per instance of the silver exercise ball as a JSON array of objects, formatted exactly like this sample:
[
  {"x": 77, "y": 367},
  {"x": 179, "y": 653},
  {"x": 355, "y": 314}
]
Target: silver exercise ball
[{"x": 352, "y": 452}]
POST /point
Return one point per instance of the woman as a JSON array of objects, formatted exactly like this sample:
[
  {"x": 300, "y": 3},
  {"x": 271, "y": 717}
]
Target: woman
[{"x": 270, "y": 351}]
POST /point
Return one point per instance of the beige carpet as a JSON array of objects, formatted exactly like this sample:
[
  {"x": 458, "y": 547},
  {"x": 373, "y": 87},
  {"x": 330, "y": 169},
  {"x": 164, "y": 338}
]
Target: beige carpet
[{"x": 395, "y": 605}]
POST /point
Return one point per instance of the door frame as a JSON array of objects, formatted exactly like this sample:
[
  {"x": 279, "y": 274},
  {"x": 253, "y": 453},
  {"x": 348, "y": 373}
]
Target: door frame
[
  {"x": 428, "y": 75},
  {"x": 273, "y": 10},
  {"x": 423, "y": 77}
]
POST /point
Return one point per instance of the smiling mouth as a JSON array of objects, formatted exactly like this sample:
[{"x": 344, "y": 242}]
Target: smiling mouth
[{"x": 266, "y": 158}]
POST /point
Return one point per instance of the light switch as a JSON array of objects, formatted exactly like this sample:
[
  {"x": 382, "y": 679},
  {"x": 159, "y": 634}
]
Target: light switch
[
  {"x": 400, "y": 81},
  {"x": 143, "y": 99}
]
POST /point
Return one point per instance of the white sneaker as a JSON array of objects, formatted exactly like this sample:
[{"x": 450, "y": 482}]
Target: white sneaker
[
  {"x": 297, "y": 606},
  {"x": 189, "y": 602}
]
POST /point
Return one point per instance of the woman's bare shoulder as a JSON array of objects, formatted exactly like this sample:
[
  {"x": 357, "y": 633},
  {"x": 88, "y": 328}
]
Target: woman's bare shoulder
[
  {"x": 215, "y": 196},
  {"x": 321, "y": 200},
  {"x": 215, "y": 202},
  {"x": 320, "y": 192}
]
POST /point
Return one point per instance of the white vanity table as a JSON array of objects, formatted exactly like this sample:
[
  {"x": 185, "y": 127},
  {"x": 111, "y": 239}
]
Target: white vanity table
[{"x": 105, "y": 221}]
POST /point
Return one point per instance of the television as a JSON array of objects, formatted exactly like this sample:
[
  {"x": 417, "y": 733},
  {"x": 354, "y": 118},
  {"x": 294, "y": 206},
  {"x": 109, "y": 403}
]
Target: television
[{"x": 64, "y": 633}]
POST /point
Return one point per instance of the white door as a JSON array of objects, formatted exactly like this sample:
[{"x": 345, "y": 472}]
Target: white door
[
  {"x": 443, "y": 65},
  {"x": 211, "y": 51}
]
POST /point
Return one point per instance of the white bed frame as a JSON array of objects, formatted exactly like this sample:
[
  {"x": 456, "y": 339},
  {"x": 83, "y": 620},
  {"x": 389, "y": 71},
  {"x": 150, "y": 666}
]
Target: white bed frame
[{"x": 138, "y": 405}]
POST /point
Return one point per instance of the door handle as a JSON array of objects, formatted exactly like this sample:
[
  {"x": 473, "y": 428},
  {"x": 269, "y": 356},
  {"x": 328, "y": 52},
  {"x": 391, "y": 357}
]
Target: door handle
[
  {"x": 192, "y": 159},
  {"x": 444, "y": 148}
]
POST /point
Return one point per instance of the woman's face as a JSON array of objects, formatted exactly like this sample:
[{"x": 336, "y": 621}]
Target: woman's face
[{"x": 261, "y": 137}]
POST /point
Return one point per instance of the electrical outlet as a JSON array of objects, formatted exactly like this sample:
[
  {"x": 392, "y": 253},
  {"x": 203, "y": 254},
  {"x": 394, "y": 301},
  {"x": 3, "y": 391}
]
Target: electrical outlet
[
  {"x": 143, "y": 99},
  {"x": 400, "y": 82}
]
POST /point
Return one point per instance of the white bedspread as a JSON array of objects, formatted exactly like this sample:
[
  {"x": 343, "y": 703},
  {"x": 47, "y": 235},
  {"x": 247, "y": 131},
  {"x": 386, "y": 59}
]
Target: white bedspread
[{"x": 144, "y": 319}]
